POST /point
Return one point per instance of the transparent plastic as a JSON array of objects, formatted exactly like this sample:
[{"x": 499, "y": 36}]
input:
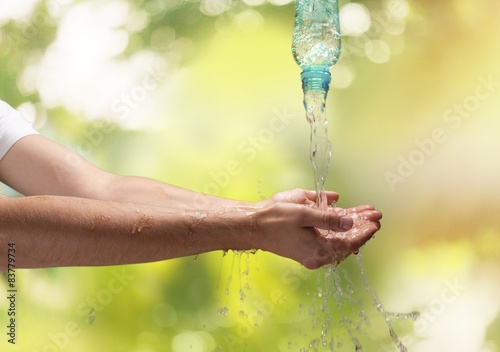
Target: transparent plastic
[
  {"x": 316, "y": 47},
  {"x": 316, "y": 43}
]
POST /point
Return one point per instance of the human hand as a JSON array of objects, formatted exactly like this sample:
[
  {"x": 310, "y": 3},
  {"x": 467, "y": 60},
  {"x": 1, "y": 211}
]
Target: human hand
[{"x": 292, "y": 226}]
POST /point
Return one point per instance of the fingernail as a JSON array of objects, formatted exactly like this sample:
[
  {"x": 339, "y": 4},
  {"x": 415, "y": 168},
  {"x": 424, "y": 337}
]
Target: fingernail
[{"x": 345, "y": 222}]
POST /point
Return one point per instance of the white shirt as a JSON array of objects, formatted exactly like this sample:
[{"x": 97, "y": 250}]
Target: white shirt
[{"x": 13, "y": 127}]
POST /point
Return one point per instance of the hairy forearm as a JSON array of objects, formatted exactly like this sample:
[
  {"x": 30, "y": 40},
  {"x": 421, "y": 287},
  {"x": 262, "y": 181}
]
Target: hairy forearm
[{"x": 53, "y": 231}]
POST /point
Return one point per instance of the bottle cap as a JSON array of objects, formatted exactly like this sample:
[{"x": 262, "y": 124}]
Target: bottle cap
[{"x": 315, "y": 80}]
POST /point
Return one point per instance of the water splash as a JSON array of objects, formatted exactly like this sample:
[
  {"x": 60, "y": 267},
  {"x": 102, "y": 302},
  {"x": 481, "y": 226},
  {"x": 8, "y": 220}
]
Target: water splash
[
  {"x": 331, "y": 288},
  {"x": 240, "y": 262},
  {"x": 320, "y": 148},
  {"x": 388, "y": 316},
  {"x": 223, "y": 311}
]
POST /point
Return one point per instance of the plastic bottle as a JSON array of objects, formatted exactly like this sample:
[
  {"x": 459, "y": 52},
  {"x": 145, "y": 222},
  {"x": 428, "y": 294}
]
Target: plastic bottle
[
  {"x": 316, "y": 44},
  {"x": 316, "y": 48}
]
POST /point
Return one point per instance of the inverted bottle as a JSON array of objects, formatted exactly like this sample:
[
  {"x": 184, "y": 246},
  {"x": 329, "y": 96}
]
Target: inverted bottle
[
  {"x": 316, "y": 44},
  {"x": 316, "y": 48}
]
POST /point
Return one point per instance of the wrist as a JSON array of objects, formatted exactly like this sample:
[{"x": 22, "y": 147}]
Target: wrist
[{"x": 234, "y": 228}]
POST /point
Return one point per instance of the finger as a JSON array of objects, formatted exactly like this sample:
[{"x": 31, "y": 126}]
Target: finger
[
  {"x": 365, "y": 212},
  {"x": 330, "y": 196},
  {"x": 371, "y": 215},
  {"x": 359, "y": 237},
  {"x": 326, "y": 220},
  {"x": 310, "y": 198},
  {"x": 360, "y": 209}
]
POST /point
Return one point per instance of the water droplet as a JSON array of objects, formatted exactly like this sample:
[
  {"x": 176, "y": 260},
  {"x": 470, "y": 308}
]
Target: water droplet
[
  {"x": 145, "y": 221},
  {"x": 223, "y": 311}
]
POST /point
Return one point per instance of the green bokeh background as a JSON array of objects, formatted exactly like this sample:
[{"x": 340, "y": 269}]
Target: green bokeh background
[{"x": 227, "y": 81}]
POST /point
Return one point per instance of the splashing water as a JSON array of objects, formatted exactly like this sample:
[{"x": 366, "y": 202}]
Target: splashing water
[
  {"x": 243, "y": 280},
  {"x": 388, "y": 316},
  {"x": 320, "y": 151},
  {"x": 320, "y": 156}
]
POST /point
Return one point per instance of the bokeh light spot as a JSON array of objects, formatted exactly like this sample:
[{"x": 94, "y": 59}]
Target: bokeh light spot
[
  {"x": 354, "y": 19},
  {"x": 397, "y": 8},
  {"x": 249, "y": 20},
  {"x": 164, "y": 315},
  {"x": 215, "y": 7},
  {"x": 280, "y": 2},
  {"x": 377, "y": 51},
  {"x": 254, "y": 2},
  {"x": 342, "y": 76},
  {"x": 16, "y": 10},
  {"x": 194, "y": 341}
]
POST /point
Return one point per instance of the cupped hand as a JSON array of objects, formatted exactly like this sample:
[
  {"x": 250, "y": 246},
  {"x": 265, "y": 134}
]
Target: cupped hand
[{"x": 292, "y": 226}]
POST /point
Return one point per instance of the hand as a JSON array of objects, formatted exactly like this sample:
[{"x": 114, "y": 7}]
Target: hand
[{"x": 292, "y": 227}]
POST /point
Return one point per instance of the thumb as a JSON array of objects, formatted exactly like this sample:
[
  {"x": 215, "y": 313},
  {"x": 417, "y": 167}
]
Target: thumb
[{"x": 327, "y": 220}]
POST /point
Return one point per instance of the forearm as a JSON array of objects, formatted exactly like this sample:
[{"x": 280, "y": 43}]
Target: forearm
[
  {"x": 63, "y": 231},
  {"x": 151, "y": 192},
  {"x": 51, "y": 169}
]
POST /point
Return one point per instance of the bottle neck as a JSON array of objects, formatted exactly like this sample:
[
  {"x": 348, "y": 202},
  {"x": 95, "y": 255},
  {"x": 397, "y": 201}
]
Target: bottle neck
[{"x": 315, "y": 80}]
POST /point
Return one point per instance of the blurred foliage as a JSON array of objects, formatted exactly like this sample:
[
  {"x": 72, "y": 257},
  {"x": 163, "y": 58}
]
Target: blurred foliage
[{"x": 227, "y": 71}]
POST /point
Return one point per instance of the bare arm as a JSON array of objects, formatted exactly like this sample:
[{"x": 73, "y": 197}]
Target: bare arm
[
  {"x": 64, "y": 231},
  {"x": 36, "y": 165},
  {"x": 87, "y": 216},
  {"x": 53, "y": 231}
]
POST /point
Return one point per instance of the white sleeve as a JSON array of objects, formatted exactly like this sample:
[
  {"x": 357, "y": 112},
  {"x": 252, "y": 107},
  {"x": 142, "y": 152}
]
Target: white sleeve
[{"x": 13, "y": 127}]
